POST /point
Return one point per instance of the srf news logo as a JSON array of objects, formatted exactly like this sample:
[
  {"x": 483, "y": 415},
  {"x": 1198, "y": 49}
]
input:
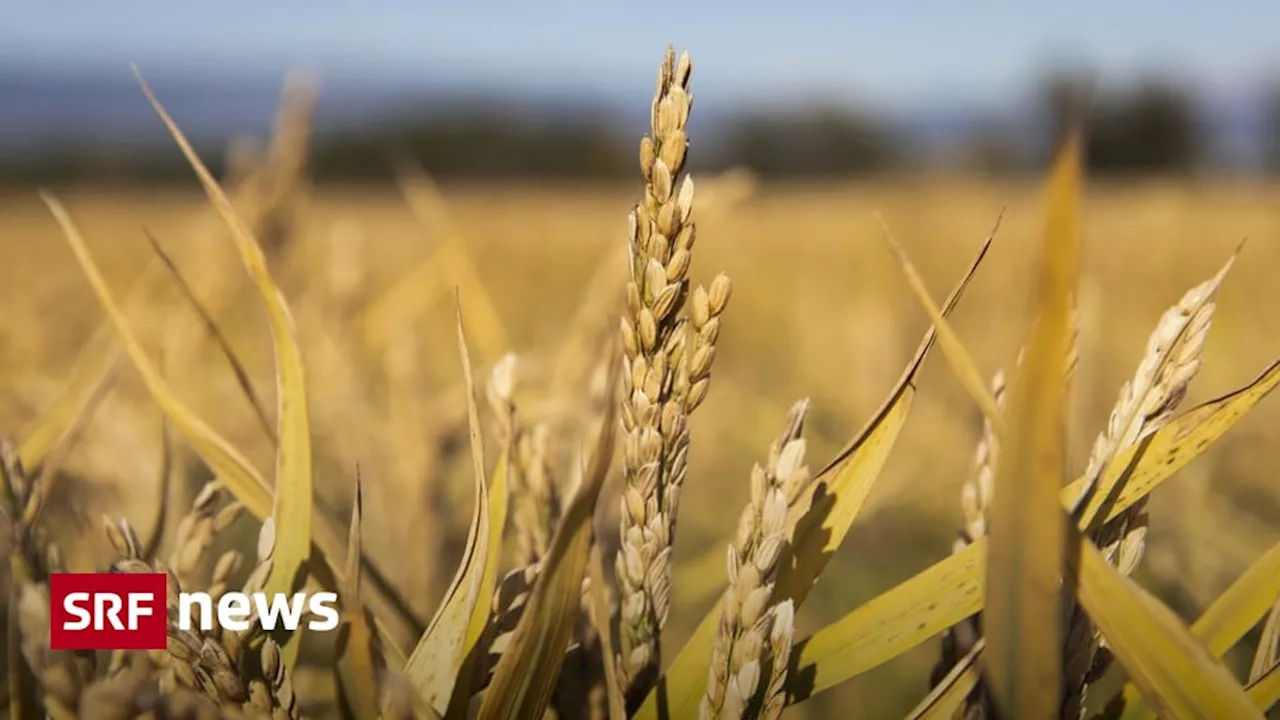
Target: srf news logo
[
  {"x": 119, "y": 611},
  {"x": 108, "y": 611}
]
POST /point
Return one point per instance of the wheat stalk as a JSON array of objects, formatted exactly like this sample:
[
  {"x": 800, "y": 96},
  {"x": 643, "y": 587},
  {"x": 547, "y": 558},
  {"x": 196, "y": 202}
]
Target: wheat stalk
[
  {"x": 665, "y": 376},
  {"x": 747, "y": 612}
]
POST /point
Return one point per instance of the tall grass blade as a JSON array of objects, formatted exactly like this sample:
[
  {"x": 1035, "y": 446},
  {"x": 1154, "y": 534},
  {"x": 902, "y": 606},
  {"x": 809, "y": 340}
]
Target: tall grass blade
[
  {"x": 439, "y": 657},
  {"x": 225, "y": 461},
  {"x": 957, "y": 356},
  {"x": 480, "y": 613},
  {"x": 228, "y": 464},
  {"x": 293, "y": 487},
  {"x": 496, "y": 522},
  {"x": 389, "y": 595},
  {"x": 356, "y": 669},
  {"x": 92, "y": 373},
  {"x": 215, "y": 332},
  {"x": 1023, "y": 614}
]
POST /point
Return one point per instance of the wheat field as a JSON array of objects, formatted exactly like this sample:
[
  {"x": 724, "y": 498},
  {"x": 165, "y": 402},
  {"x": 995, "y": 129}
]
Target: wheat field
[{"x": 819, "y": 311}]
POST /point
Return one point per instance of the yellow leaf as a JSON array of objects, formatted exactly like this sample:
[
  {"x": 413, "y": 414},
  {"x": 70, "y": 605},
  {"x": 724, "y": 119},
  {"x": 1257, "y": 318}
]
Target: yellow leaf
[
  {"x": 227, "y": 463},
  {"x": 947, "y": 699},
  {"x": 461, "y": 694},
  {"x": 1264, "y": 691},
  {"x": 818, "y": 524},
  {"x": 216, "y": 334},
  {"x": 292, "y": 506},
  {"x": 1225, "y": 621},
  {"x": 1175, "y": 672},
  {"x": 957, "y": 356},
  {"x": 890, "y": 624},
  {"x": 90, "y": 375},
  {"x": 527, "y": 673},
  {"x": 438, "y": 660},
  {"x": 600, "y": 618},
  {"x": 91, "y": 371},
  {"x": 951, "y": 590},
  {"x": 357, "y": 672},
  {"x": 1023, "y": 616},
  {"x": 1237, "y": 610}
]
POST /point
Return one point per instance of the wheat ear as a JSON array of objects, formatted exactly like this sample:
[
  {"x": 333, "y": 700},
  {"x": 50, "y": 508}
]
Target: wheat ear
[
  {"x": 747, "y": 611},
  {"x": 665, "y": 374},
  {"x": 1145, "y": 404}
]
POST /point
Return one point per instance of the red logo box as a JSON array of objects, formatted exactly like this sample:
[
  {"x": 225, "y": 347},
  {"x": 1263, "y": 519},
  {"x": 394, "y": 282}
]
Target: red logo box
[{"x": 108, "y": 611}]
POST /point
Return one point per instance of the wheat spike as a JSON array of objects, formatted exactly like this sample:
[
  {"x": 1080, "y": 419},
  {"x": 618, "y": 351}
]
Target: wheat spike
[
  {"x": 1145, "y": 403},
  {"x": 747, "y": 610},
  {"x": 665, "y": 376}
]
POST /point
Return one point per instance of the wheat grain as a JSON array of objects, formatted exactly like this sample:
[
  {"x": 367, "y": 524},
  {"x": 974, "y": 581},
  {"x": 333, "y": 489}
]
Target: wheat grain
[
  {"x": 283, "y": 702},
  {"x": 782, "y": 634},
  {"x": 197, "y": 530}
]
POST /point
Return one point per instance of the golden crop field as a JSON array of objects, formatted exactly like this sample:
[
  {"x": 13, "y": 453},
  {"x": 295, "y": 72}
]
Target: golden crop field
[{"x": 819, "y": 310}]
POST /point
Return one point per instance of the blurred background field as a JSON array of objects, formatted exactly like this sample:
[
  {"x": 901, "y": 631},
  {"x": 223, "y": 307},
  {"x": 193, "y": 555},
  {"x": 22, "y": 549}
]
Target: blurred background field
[
  {"x": 529, "y": 225},
  {"x": 819, "y": 311}
]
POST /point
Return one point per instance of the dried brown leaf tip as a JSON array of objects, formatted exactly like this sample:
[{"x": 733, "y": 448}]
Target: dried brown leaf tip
[
  {"x": 753, "y": 640},
  {"x": 668, "y": 353}
]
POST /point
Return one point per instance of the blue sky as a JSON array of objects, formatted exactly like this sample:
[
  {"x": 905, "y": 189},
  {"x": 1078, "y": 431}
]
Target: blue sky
[{"x": 885, "y": 52}]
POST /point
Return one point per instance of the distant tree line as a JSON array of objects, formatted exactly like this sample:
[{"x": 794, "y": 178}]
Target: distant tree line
[{"x": 1154, "y": 127}]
